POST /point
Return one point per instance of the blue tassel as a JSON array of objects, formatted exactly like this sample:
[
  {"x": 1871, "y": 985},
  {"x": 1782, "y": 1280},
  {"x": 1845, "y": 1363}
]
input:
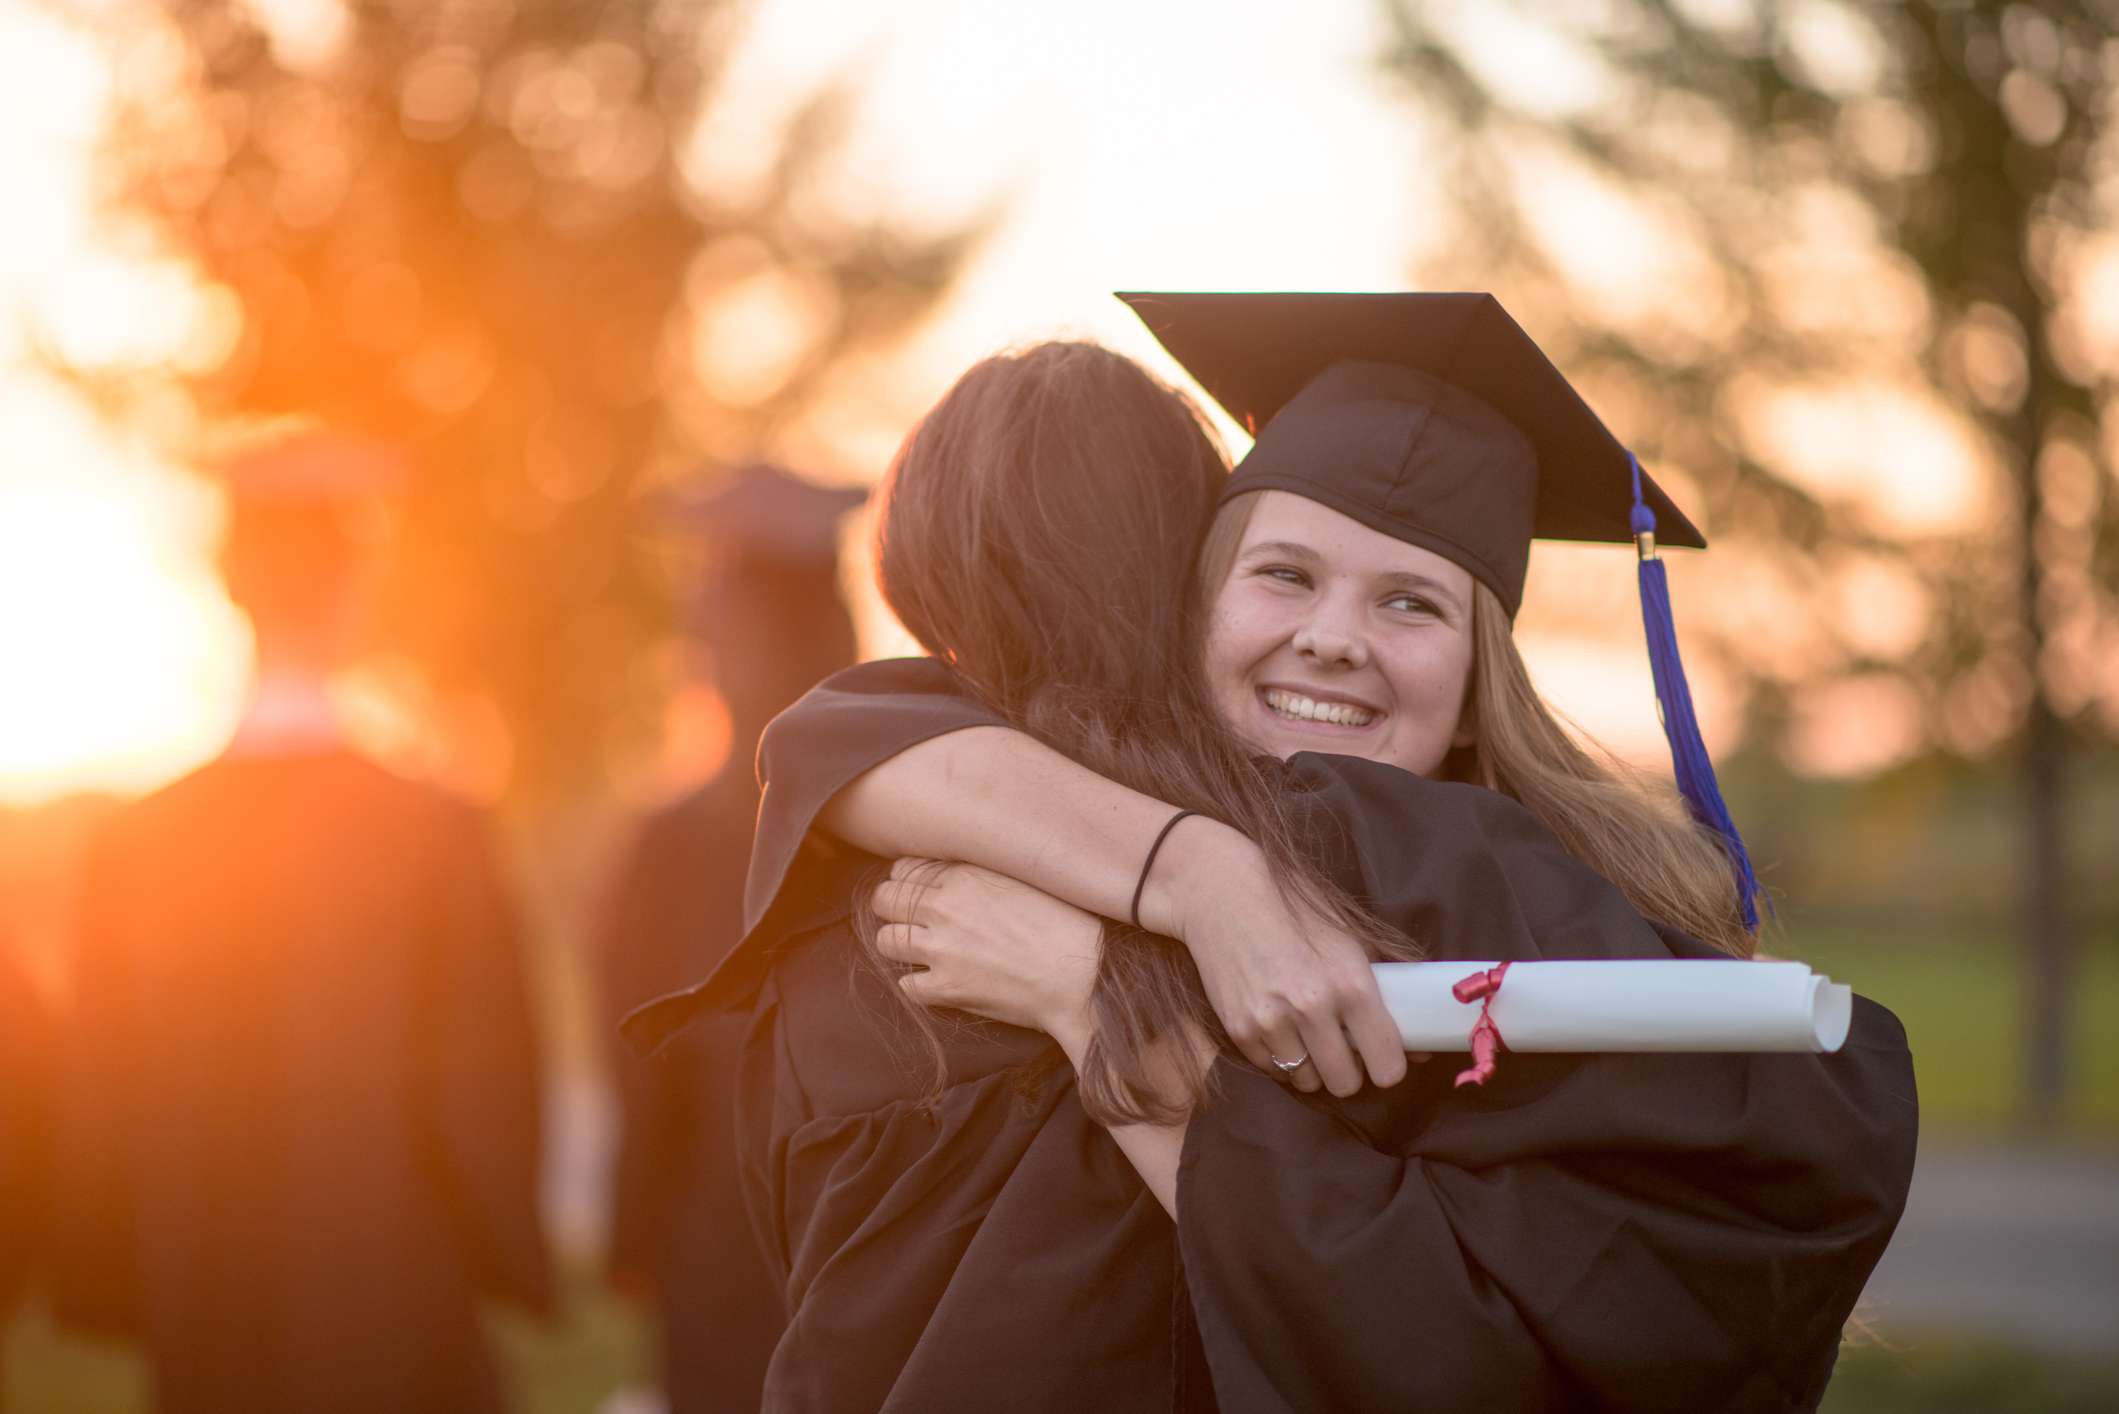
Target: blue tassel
[{"x": 1688, "y": 752}]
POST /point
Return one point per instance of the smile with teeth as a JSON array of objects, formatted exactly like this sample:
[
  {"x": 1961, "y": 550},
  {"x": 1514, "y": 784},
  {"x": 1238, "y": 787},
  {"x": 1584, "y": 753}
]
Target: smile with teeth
[{"x": 1297, "y": 708}]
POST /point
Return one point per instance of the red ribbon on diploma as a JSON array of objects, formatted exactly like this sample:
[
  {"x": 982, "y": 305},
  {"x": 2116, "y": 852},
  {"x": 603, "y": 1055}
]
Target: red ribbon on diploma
[{"x": 1486, "y": 1040}]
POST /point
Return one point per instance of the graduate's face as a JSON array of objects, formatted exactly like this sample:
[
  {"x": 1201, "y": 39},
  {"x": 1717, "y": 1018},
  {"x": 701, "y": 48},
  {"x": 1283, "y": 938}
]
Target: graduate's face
[{"x": 1330, "y": 636}]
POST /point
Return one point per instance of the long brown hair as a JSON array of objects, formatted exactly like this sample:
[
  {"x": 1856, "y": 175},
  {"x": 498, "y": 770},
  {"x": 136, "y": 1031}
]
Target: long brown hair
[
  {"x": 1030, "y": 537},
  {"x": 1612, "y": 818}
]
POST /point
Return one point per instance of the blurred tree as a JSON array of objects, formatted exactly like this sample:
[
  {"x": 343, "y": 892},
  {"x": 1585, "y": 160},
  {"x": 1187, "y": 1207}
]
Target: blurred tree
[
  {"x": 1881, "y": 225},
  {"x": 474, "y": 225}
]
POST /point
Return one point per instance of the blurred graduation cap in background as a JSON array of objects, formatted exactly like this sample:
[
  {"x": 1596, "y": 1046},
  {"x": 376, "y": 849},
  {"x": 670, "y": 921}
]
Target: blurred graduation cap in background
[
  {"x": 761, "y": 512},
  {"x": 1435, "y": 419},
  {"x": 758, "y": 577},
  {"x": 301, "y": 523}
]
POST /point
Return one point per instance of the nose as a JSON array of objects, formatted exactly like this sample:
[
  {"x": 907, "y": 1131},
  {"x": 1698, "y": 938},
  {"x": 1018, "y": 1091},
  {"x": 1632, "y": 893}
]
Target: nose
[{"x": 1329, "y": 641}]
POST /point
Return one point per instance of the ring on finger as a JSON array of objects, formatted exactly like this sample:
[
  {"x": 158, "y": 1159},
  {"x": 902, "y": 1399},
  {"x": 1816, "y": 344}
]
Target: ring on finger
[{"x": 1289, "y": 1067}]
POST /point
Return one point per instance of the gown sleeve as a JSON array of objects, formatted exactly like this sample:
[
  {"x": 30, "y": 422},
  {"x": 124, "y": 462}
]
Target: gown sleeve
[
  {"x": 936, "y": 1249},
  {"x": 1644, "y": 1232},
  {"x": 846, "y": 725}
]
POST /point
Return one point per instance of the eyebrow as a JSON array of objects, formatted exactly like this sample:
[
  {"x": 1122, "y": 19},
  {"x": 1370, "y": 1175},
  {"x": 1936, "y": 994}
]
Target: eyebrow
[
  {"x": 1286, "y": 549},
  {"x": 1396, "y": 579}
]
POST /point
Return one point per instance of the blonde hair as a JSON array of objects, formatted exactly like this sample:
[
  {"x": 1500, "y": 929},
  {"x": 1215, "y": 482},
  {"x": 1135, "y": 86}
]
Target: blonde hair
[{"x": 1620, "y": 822}]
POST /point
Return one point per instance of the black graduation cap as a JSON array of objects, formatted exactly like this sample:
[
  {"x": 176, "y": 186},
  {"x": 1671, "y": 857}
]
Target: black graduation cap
[
  {"x": 305, "y": 493},
  {"x": 764, "y": 512},
  {"x": 1430, "y": 417},
  {"x": 1434, "y": 419}
]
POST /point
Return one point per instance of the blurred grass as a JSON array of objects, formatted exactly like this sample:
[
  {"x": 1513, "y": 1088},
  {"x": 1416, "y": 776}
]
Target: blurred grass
[
  {"x": 572, "y": 1367},
  {"x": 597, "y": 1345},
  {"x": 1968, "y": 1377},
  {"x": 1961, "y": 997},
  {"x": 49, "y": 1372}
]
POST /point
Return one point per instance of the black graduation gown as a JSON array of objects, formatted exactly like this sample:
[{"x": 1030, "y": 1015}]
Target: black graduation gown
[
  {"x": 300, "y": 1139},
  {"x": 1680, "y": 1232},
  {"x": 677, "y": 1215},
  {"x": 1638, "y": 1232}
]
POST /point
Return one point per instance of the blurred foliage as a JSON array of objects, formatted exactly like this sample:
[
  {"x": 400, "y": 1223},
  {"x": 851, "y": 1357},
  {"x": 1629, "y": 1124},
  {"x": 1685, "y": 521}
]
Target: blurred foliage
[
  {"x": 1888, "y": 212},
  {"x": 1961, "y": 1001},
  {"x": 473, "y": 225},
  {"x": 1921, "y": 851}
]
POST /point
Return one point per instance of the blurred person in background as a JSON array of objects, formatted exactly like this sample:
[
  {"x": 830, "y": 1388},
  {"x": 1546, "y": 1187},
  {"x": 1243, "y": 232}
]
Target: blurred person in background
[
  {"x": 766, "y": 609},
  {"x": 300, "y": 1131},
  {"x": 25, "y": 1133}
]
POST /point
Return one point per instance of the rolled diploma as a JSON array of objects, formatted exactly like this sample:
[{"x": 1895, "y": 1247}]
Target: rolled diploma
[{"x": 1662, "y": 1004}]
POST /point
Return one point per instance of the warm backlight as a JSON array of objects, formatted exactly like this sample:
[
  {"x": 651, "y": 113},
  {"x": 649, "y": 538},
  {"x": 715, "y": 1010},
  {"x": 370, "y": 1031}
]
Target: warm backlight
[{"x": 119, "y": 667}]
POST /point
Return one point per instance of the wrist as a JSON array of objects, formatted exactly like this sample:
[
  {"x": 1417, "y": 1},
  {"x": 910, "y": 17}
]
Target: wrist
[
  {"x": 1200, "y": 857},
  {"x": 1072, "y": 1031}
]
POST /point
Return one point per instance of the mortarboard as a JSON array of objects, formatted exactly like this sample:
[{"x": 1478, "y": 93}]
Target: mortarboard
[
  {"x": 298, "y": 540},
  {"x": 304, "y": 493},
  {"x": 1434, "y": 419},
  {"x": 764, "y": 512},
  {"x": 1430, "y": 417}
]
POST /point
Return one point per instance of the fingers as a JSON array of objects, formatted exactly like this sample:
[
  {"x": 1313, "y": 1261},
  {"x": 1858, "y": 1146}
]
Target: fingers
[
  {"x": 1338, "y": 1025},
  {"x": 902, "y": 942},
  {"x": 907, "y": 896},
  {"x": 920, "y": 987},
  {"x": 907, "y": 900},
  {"x": 1351, "y": 1035},
  {"x": 1375, "y": 1036},
  {"x": 931, "y": 988},
  {"x": 895, "y": 901},
  {"x": 1330, "y": 1056},
  {"x": 1280, "y": 1040}
]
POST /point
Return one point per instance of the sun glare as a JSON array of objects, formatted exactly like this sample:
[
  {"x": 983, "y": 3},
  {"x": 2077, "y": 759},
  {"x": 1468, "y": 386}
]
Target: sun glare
[
  {"x": 121, "y": 663},
  {"x": 121, "y": 668}
]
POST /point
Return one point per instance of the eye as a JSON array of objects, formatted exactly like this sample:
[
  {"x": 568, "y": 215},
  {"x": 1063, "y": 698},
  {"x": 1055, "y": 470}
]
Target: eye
[
  {"x": 1410, "y": 603},
  {"x": 1286, "y": 574}
]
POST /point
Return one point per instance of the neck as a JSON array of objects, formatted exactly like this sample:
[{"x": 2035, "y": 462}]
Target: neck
[{"x": 290, "y": 713}]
